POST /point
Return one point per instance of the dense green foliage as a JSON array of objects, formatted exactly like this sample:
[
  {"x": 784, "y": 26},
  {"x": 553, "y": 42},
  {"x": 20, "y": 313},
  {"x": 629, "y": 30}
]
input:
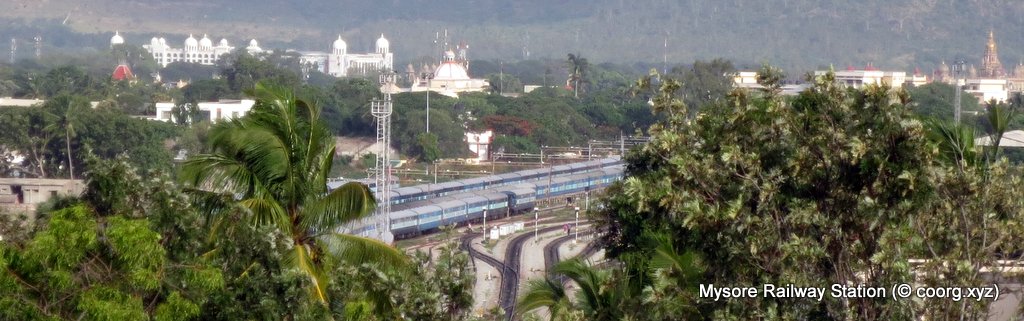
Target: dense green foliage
[
  {"x": 935, "y": 100},
  {"x": 129, "y": 262},
  {"x": 135, "y": 246},
  {"x": 272, "y": 166},
  {"x": 833, "y": 186},
  {"x": 66, "y": 128}
]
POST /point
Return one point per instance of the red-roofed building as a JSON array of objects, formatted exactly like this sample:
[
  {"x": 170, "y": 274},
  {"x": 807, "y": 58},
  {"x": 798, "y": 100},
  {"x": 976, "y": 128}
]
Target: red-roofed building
[{"x": 122, "y": 72}]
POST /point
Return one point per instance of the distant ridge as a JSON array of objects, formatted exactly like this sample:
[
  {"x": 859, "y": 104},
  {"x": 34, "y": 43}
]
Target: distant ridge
[{"x": 795, "y": 34}]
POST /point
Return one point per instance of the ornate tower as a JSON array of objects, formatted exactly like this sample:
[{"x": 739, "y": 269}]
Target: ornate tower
[
  {"x": 990, "y": 66},
  {"x": 120, "y": 52}
]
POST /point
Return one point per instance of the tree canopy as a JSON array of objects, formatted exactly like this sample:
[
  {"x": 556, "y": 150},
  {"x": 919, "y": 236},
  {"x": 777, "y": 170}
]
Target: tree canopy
[{"x": 833, "y": 186}]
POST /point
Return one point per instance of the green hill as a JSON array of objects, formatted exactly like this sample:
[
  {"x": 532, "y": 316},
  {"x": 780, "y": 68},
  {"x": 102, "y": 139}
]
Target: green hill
[{"x": 796, "y": 34}]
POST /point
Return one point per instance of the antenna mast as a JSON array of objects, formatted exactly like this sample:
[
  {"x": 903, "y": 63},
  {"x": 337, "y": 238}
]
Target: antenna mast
[
  {"x": 39, "y": 46},
  {"x": 381, "y": 110},
  {"x": 664, "y": 56}
]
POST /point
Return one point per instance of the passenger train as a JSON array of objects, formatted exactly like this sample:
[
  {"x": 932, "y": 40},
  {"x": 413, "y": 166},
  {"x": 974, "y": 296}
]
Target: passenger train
[
  {"x": 412, "y": 194},
  {"x": 425, "y": 208},
  {"x": 457, "y": 209}
]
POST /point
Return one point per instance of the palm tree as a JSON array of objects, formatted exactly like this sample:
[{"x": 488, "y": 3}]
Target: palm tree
[
  {"x": 599, "y": 296},
  {"x": 62, "y": 109},
  {"x": 545, "y": 293},
  {"x": 577, "y": 71},
  {"x": 273, "y": 164},
  {"x": 674, "y": 279}
]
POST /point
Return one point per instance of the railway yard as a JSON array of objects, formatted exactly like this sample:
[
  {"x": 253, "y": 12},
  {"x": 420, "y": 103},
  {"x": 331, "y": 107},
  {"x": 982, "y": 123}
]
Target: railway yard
[
  {"x": 490, "y": 220},
  {"x": 503, "y": 266}
]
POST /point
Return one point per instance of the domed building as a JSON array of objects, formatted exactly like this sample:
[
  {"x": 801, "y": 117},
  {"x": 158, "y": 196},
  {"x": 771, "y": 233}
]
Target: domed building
[
  {"x": 116, "y": 39},
  {"x": 340, "y": 63},
  {"x": 254, "y": 47},
  {"x": 451, "y": 77},
  {"x": 202, "y": 51},
  {"x": 122, "y": 71}
]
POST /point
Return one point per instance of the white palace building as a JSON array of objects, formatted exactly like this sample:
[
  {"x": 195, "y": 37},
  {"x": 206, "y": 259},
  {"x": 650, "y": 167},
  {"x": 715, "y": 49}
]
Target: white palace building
[
  {"x": 201, "y": 52},
  {"x": 338, "y": 62}
]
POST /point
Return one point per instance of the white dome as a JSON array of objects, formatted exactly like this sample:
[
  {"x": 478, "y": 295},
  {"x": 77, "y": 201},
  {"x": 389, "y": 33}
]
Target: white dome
[
  {"x": 206, "y": 42},
  {"x": 254, "y": 44},
  {"x": 382, "y": 43},
  {"x": 163, "y": 42},
  {"x": 191, "y": 42},
  {"x": 223, "y": 42},
  {"x": 340, "y": 44},
  {"x": 116, "y": 39},
  {"x": 154, "y": 42},
  {"x": 451, "y": 71}
]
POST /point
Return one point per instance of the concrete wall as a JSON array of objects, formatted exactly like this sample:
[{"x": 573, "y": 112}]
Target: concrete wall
[{"x": 22, "y": 194}]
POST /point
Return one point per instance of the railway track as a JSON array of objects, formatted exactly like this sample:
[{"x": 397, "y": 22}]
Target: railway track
[
  {"x": 590, "y": 249},
  {"x": 551, "y": 255},
  {"x": 465, "y": 245},
  {"x": 510, "y": 282}
]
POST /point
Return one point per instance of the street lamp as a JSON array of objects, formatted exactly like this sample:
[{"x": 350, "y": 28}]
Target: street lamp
[
  {"x": 958, "y": 70},
  {"x": 576, "y": 228},
  {"x": 428, "y": 76},
  {"x": 485, "y": 225}
]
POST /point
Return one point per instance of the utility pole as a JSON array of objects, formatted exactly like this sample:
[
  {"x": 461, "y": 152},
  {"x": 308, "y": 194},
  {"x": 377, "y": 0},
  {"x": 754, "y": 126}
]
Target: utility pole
[
  {"x": 547, "y": 190},
  {"x": 485, "y": 225},
  {"x": 429, "y": 77},
  {"x": 588, "y": 202},
  {"x": 622, "y": 144},
  {"x": 576, "y": 228}
]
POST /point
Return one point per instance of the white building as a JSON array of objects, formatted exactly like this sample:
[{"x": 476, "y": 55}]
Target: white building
[
  {"x": 917, "y": 80},
  {"x": 746, "y": 79},
  {"x": 860, "y": 78},
  {"x": 17, "y": 102},
  {"x": 450, "y": 78},
  {"x": 987, "y": 89},
  {"x": 201, "y": 51},
  {"x": 480, "y": 143},
  {"x": 217, "y": 111},
  {"x": 340, "y": 63}
]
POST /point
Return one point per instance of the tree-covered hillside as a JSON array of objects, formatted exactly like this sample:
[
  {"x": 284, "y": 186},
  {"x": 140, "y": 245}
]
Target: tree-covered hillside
[{"x": 793, "y": 34}]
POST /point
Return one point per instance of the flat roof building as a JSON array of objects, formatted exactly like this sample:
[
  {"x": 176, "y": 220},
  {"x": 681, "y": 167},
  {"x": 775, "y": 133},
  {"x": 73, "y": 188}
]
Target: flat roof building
[
  {"x": 213, "y": 111},
  {"x": 859, "y": 78}
]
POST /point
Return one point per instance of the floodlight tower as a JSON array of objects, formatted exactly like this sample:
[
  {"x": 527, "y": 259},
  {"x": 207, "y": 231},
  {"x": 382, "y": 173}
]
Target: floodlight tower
[{"x": 381, "y": 110}]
